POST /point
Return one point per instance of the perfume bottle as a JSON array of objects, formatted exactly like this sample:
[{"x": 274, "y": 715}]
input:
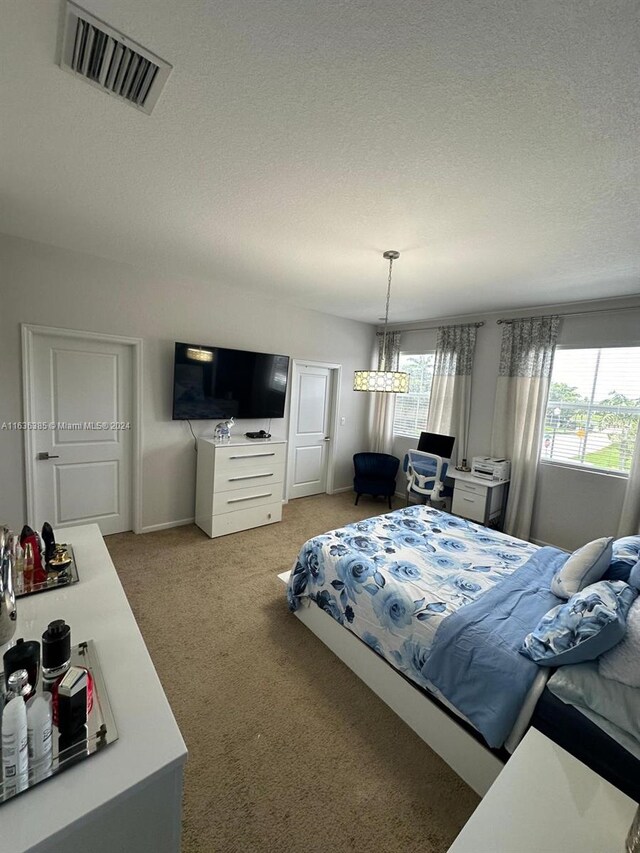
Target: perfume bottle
[
  {"x": 56, "y": 652},
  {"x": 28, "y": 566},
  {"x": 15, "y": 751},
  {"x": 19, "y": 570}
]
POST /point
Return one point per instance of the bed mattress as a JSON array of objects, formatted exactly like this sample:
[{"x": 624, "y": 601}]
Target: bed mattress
[{"x": 400, "y": 581}]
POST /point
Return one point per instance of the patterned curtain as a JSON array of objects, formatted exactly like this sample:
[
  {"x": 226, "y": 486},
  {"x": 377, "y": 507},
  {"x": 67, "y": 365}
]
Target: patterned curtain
[
  {"x": 450, "y": 401},
  {"x": 390, "y": 344},
  {"x": 526, "y": 359},
  {"x": 383, "y": 404}
]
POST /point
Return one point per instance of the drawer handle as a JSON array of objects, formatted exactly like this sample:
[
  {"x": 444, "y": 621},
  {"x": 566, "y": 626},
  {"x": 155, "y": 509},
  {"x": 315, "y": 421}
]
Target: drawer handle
[
  {"x": 249, "y": 498},
  {"x": 249, "y": 477},
  {"x": 251, "y": 455},
  {"x": 469, "y": 500}
]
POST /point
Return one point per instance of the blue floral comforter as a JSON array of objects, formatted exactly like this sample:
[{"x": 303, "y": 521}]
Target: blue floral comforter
[{"x": 392, "y": 580}]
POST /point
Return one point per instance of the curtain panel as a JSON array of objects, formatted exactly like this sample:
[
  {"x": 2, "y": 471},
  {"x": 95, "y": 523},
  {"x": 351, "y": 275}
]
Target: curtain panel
[
  {"x": 450, "y": 400},
  {"x": 526, "y": 360},
  {"x": 629, "y": 524},
  {"x": 383, "y": 404}
]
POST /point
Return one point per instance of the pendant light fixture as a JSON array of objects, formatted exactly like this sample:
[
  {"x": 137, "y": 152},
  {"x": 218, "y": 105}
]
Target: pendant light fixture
[{"x": 391, "y": 381}]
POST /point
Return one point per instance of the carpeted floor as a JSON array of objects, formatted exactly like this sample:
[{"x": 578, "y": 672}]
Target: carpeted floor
[{"x": 288, "y": 750}]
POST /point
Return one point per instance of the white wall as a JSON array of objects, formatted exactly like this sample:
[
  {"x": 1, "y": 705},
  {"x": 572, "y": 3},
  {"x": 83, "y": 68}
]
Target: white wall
[
  {"x": 48, "y": 286},
  {"x": 572, "y": 506}
]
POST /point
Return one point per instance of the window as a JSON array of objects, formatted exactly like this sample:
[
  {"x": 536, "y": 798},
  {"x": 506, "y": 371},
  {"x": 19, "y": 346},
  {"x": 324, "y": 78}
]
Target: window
[
  {"x": 412, "y": 408},
  {"x": 593, "y": 408}
]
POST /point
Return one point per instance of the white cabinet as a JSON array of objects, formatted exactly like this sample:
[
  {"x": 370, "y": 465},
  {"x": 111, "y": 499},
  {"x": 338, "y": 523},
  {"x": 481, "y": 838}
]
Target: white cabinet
[
  {"x": 476, "y": 499},
  {"x": 127, "y": 798},
  {"x": 240, "y": 484},
  {"x": 546, "y": 801}
]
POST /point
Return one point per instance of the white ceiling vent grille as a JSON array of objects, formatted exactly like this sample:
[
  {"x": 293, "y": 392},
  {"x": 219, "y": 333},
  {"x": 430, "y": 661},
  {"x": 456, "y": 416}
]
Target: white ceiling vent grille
[{"x": 111, "y": 61}]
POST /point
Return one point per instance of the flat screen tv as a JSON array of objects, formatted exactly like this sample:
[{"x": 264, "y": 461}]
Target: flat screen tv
[{"x": 216, "y": 383}]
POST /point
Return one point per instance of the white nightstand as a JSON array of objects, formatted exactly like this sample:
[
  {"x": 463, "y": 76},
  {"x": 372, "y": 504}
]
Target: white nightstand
[
  {"x": 478, "y": 499},
  {"x": 546, "y": 801}
]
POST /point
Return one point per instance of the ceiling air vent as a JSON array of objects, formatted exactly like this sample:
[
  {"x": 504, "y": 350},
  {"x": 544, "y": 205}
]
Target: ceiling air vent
[{"x": 111, "y": 61}]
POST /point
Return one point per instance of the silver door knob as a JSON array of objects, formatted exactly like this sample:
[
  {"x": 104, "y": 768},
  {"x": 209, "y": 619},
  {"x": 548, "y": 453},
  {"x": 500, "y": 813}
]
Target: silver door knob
[{"x": 45, "y": 455}]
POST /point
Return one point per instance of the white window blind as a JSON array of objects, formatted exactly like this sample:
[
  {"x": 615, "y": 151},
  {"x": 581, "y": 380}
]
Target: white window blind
[
  {"x": 593, "y": 408},
  {"x": 411, "y": 410}
]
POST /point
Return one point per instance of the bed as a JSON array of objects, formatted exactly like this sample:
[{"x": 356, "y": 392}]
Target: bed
[{"x": 435, "y": 608}]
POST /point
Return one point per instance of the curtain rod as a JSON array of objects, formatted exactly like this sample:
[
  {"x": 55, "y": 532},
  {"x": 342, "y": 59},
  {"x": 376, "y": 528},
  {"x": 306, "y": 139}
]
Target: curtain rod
[
  {"x": 569, "y": 314},
  {"x": 430, "y": 328}
]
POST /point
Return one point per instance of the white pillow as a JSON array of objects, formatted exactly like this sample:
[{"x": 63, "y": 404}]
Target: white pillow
[
  {"x": 584, "y": 567},
  {"x": 622, "y": 662}
]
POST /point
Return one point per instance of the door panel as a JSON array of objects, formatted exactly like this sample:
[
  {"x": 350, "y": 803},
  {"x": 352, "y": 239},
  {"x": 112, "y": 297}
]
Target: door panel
[
  {"x": 74, "y": 501},
  {"x": 310, "y": 436},
  {"x": 95, "y": 373},
  {"x": 82, "y": 389}
]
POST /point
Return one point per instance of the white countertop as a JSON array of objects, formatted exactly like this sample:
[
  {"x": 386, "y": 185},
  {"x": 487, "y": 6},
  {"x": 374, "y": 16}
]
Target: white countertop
[
  {"x": 149, "y": 741},
  {"x": 237, "y": 440},
  {"x": 468, "y": 477},
  {"x": 546, "y": 801}
]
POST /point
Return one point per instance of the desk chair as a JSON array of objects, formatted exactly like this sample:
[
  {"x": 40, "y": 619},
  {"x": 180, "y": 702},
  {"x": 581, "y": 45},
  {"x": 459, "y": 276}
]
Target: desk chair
[{"x": 425, "y": 476}]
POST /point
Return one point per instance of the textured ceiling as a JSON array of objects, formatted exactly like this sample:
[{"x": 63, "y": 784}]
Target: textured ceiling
[{"x": 495, "y": 144}]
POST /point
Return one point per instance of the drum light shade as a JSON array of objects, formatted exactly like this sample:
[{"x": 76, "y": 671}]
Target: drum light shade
[{"x": 393, "y": 382}]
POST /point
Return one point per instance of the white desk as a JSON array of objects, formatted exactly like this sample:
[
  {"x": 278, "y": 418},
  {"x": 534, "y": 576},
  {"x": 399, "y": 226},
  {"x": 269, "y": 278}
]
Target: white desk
[
  {"x": 476, "y": 498},
  {"x": 127, "y": 798},
  {"x": 546, "y": 801}
]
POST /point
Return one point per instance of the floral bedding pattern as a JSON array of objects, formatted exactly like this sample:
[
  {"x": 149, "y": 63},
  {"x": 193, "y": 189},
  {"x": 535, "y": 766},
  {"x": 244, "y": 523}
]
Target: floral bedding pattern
[{"x": 393, "y": 579}]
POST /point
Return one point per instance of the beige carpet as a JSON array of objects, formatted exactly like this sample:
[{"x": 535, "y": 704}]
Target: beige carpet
[{"x": 288, "y": 750}]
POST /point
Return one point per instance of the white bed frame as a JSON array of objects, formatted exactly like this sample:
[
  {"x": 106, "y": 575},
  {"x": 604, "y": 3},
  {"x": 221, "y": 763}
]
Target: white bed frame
[{"x": 473, "y": 762}]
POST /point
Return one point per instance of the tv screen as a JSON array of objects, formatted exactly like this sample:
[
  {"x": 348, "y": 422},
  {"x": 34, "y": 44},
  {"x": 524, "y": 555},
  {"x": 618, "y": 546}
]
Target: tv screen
[{"x": 215, "y": 383}]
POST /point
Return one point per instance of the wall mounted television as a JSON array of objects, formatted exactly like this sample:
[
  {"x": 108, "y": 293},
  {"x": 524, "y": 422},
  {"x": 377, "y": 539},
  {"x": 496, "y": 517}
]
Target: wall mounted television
[{"x": 215, "y": 383}]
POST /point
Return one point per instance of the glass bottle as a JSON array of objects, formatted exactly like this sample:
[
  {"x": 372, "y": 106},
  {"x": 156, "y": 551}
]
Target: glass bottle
[{"x": 28, "y": 566}]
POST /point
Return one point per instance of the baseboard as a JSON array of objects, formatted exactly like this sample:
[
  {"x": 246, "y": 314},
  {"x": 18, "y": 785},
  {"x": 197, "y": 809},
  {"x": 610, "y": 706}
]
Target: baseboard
[
  {"x": 152, "y": 528},
  {"x": 342, "y": 489},
  {"x": 542, "y": 544}
]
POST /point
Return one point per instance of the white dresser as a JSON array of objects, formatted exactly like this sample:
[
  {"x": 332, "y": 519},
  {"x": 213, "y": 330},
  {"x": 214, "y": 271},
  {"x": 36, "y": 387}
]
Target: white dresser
[
  {"x": 239, "y": 483},
  {"x": 128, "y": 798}
]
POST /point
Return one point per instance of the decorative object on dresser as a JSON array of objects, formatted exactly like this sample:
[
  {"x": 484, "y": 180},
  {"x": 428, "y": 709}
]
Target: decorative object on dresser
[
  {"x": 239, "y": 485},
  {"x": 222, "y": 430}
]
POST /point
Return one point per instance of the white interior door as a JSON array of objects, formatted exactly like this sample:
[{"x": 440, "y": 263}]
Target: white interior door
[
  {"x": 309, "y": 434},
  {"x": 81, "y": 393}
]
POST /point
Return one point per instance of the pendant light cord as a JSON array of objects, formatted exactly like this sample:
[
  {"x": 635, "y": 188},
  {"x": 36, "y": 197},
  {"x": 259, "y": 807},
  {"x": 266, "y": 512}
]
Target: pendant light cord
[{"x": 383, "y": 365}]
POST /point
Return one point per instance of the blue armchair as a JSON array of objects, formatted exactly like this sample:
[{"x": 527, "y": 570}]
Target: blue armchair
[{"x": 375, "y": 474}]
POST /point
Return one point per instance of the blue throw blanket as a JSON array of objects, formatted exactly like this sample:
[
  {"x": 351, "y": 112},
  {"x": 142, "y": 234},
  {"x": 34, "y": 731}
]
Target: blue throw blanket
[{"x": 475, "y": 660}]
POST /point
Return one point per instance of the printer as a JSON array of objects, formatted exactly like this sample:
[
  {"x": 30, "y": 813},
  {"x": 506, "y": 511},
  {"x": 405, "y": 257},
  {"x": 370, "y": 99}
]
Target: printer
[{"x": 490, "y": 468}]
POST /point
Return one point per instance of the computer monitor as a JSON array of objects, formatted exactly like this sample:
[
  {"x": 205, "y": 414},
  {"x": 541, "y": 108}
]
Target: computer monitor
[{"x": 439, "y": 445}]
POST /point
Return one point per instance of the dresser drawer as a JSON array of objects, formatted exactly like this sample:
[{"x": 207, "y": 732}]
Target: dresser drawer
[
  {"x": 244, "y": 519},
  {"x": 468, "y": 504},
  {"x": 250, "y": 496},
  {"x": 259, "y": 475},
  {"x": 245, "y": 457},
  {"x": 471, "y": 488}
]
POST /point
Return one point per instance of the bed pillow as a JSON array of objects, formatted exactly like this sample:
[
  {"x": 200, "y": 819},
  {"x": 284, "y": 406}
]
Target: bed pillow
[
  {"x": 590, "y": 623},
  {"x": 626, "y": 553},
  {"x": 622, "y": 663},
  {"x": 582, "y": 685},
  {"x": 584, "y": 567}
]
